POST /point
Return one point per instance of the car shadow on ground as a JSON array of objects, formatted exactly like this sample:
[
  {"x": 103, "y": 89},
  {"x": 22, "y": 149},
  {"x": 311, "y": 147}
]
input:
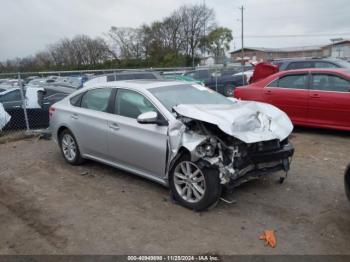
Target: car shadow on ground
[{"x": 320, "y": 131}]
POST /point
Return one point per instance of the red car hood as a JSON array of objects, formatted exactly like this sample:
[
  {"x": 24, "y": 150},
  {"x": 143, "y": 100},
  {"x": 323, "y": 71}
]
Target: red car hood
[{"x": 263, "y": 70}]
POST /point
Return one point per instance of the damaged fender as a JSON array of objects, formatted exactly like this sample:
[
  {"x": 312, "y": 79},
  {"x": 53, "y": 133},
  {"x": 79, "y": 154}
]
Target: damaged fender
[{"x": 244, "y": 122}]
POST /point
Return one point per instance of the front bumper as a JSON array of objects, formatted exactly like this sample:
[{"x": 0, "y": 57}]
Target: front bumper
[{"x": 259, "y": 164}]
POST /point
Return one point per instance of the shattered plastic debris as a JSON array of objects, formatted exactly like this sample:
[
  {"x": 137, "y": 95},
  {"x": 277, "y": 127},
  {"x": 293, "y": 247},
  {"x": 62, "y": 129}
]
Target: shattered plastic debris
[{"x": 269, "y": 237}]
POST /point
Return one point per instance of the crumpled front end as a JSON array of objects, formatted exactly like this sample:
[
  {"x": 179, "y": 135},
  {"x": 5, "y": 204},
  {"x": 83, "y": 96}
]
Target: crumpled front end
[{"x": 242, "y": 142}]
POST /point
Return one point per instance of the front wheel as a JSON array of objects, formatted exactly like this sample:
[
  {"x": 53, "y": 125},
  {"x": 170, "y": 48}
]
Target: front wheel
[{"x": 193, "y": 187}]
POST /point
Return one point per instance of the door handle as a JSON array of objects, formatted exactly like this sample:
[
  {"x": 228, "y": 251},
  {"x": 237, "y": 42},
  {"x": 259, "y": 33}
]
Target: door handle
[
  {"x": 114, "y": 126},
  {"x": 315, "y": 95},
  {"x": 74, "y": 116},
  {"x": 268, "y": 92}
]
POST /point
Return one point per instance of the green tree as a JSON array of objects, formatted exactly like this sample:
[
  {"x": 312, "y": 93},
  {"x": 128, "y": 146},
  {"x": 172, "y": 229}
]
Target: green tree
[{"x": 217, "y": 42}]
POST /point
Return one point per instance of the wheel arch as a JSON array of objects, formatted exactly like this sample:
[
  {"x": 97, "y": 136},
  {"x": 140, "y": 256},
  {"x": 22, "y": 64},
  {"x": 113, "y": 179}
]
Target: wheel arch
[{"x": 182, "y": 151}]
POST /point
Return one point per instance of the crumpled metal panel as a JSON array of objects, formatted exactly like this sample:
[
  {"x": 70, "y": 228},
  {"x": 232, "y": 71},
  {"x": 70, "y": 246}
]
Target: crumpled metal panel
[
  {"x": 4, "y": 117},
  {"x": 249, "y": 122}
]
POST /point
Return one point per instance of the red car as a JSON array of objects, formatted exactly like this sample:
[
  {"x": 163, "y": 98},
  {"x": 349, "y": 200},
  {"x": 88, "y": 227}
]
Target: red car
[{"x": 310, "y": 97}]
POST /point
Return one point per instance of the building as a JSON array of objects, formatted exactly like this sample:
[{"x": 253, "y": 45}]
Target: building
[{"x": 339, "y": 49}]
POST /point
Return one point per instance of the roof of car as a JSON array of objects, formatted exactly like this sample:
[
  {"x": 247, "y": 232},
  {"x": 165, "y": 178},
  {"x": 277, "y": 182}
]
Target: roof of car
[
  {"x": 322, "y": 70},
  {"x": 140, "y": 84}
]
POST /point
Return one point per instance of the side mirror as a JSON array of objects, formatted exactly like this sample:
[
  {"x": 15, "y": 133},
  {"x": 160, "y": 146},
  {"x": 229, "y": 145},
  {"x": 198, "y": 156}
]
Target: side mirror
[{"x": 148, "y": 118}]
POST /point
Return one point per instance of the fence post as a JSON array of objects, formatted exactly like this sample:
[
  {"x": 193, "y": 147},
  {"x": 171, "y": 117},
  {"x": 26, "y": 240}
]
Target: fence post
[{"x": 24, "y": 106}]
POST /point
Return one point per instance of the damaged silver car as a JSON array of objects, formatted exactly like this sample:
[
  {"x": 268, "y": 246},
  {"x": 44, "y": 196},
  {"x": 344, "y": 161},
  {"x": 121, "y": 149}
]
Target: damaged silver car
[{"x": 181, "y": 135}]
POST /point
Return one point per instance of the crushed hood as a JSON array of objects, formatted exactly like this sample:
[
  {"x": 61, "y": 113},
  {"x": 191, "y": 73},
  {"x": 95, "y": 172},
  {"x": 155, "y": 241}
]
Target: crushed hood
[{"x": 249, "y": 122}]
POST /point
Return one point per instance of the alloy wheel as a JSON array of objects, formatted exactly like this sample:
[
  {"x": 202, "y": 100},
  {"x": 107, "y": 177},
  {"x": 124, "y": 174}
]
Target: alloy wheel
[
  {"x": 189, "y": 182},
  {"x": 69, "y": 147}
]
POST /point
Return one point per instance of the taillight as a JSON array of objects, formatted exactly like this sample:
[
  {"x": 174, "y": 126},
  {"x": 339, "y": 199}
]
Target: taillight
[{"x": 51, "y": 110}]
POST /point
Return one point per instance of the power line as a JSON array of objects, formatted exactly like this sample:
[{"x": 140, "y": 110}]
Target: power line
[{"x": 296, "y": 35}]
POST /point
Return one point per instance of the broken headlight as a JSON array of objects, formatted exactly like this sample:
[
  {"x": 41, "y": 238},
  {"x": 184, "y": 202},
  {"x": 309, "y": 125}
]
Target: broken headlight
[{"x": 207, "y": 149}]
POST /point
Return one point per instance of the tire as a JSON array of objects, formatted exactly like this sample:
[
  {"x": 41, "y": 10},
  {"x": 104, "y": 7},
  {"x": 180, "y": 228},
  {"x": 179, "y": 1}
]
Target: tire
[
  {"x": 69, "y": 148},
  {"x": 204, "y": 186}
]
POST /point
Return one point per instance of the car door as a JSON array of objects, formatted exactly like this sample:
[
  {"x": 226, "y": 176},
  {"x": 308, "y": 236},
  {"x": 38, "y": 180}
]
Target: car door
[
  {"x": 89, "y": 122},
  {"x": 329, "y": 101},
  {"x": 138, "y": 146},
  {"x": 12, "y": 99},
  {"x": 290, "y": 94}
]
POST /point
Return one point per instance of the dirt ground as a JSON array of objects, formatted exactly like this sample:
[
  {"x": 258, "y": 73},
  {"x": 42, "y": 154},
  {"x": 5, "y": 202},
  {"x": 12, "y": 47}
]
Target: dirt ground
[{"x": 50, "y": 207}]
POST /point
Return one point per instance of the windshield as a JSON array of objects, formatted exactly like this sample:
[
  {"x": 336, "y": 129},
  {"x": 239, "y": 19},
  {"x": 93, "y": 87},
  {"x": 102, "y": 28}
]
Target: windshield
[{"x": 188, "y": 94}]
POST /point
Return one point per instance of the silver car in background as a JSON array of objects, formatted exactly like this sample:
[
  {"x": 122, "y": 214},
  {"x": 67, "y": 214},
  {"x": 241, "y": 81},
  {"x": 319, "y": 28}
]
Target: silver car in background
[{"x": 178, "y": 134}]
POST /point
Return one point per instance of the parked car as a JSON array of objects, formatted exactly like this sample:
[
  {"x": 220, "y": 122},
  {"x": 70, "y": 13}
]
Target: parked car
[
  {"x": 292, "y": 64},
  {"x": 310, "y": 97},
  {"x": 223, "y": 83},
  {"x": 180, "y": 135},
  {"x": 11, "y": 98},
  {"x": 347, "y": 182},
  {"x": 13, "y": 104},
  {"x": 128, "y": 75},
  {"x": 52, "y": 94},
  {"x": 37, "y": 101}
]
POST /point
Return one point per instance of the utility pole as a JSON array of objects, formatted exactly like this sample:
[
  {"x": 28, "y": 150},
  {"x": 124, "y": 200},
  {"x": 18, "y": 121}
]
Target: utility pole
[
  {"x": 204, "y": 48},
  {"x": 242, "y": 40}
]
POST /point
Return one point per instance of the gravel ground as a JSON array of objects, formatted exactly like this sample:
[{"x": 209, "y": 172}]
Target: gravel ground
[{"x": 50, "y": 207}]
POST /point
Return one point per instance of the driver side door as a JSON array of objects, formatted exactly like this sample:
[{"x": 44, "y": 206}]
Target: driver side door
[{"x": 141, "y": 147}]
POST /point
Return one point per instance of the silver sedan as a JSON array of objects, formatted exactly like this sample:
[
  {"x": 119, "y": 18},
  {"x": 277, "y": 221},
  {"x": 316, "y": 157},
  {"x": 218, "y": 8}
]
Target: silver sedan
[{"x": 178, "y": 134}]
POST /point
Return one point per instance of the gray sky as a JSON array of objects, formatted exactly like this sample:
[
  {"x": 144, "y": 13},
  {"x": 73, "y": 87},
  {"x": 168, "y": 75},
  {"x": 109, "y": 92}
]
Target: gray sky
[{"x": 28, "y": 26}]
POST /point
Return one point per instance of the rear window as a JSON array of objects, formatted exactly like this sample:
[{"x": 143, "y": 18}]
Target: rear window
[{"x": 75, "y": 100}]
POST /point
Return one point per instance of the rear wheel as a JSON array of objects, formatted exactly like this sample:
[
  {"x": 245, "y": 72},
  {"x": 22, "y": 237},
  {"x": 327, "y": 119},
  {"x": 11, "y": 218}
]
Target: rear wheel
[
  {"x": 194, "y": 187},
  {"x": 69, "y": 148}
]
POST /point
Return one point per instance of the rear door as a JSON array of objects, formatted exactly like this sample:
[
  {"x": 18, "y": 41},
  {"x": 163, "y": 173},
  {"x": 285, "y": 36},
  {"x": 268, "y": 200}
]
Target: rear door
[
  {"x": 89, "y": 122},
  {"x": 290, "y": 94},
  {"x": 138, "y": 146},
  {"x": 329, "y": 102}
]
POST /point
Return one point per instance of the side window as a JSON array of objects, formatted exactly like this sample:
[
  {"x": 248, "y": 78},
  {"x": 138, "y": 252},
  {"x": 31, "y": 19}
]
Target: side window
[
  {"x": 125, "y": 77},
  {"x": 96, "y": 99},
  {"x": 299, "y": 65},
  {"x": 75, "y": 100},
  {"x": 144, "y": 76},
  {"x": 12, "y": 96},
  {"x": 132, "y": 104},
  {"x": 273, "y": 83},
  {"x": 293, "y": 81},
  {"x": 325, "y": 65},
  {"x": 330, "y": 83}
]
